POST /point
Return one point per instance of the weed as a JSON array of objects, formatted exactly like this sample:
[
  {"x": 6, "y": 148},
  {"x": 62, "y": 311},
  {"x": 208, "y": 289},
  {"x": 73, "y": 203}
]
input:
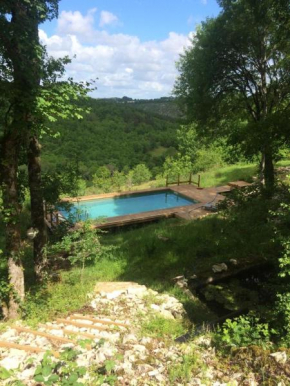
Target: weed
[
  {"x": 182, "y": 371},
  {"x": 159, "y": 327}
]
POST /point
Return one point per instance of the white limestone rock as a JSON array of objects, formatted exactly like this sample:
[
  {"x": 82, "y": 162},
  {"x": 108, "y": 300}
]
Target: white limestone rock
[
  {"x": 217, "y": 268},
  {"x": 279, "y": 357}
]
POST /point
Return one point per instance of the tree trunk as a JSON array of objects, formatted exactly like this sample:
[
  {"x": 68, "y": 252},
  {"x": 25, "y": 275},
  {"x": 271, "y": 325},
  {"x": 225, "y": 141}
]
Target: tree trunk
[
  {"x": 12, "y": 208},
  {"x": 37, "y": 209},
  {"x": 267, "y": 171}
]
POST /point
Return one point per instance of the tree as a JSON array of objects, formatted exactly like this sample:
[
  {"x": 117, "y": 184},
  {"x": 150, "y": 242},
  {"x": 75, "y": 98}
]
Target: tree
[
  {"x": 20, "y": 73},
  {"x": 31, "y": 95},
  {"x": 102, "y": 179},
  {"x": 141, "y": 174},
  {"x": 235, "y": 78}
]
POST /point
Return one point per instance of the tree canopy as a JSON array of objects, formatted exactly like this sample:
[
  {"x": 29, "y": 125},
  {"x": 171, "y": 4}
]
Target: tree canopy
[{"x": 235, "y": 78}]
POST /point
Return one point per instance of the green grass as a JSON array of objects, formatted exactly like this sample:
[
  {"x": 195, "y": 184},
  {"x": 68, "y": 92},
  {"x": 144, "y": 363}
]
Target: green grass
[
  {"x": 222, "y": 176},
  {"x": 46, "y": 302},
  {"x": 159, "y": 327},
  {"x": 214, "y": 177},
  {"x": 142, "y": 256}
]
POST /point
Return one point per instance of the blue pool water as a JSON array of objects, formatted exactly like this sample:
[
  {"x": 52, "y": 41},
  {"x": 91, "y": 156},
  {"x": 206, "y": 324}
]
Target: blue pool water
[{"x": 127, "y": 204}]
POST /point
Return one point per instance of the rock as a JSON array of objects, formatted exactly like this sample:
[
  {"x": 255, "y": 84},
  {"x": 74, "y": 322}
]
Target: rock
[
  {"x": 12, "y": 362},
  {"x": 114, "y": 294},
  {"x": 155, "y": 307},
  {"x": 139, "y": 348},
  {"x": 27, "y": 373},
  {"x": 129, "y": 338},
  {"x": 234, "y": 261},
  {"x": 279, "y": 357},
  {"x": 163, "y": 238},
  {"x": 144, "y": 368},
  {"x": 10, "y": 333},
  {"x": 152, "y": 292},
  {"x": 181, "y": 284},
  {"x": 136, "y": 290},
  {"x": 166, "y": 314},
  {"x": 153, "y": 373},
  {"x": 178, "y": 278},
  {"x": 217, "y": 268},
  {"x": 195, "y": 382}
]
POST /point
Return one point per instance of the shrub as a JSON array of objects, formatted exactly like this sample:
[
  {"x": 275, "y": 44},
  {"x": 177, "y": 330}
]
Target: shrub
[
  {"x": 141, "y": 174},
  {"x": 244, "y": 331}
]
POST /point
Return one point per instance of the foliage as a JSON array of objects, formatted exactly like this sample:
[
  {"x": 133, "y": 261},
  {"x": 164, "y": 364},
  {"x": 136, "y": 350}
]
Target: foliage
[
  {"x": 140, "y": 174},
  {"x": 163, "y": 328},
  {"x": 232, "y": 296},
  {"x": 59, "y": 183},
  {"x": 4, "y": 373},
  {"x": 182, "y": 370},
  {"x": 113, "y": 135},
  {"x": 281, "y": 316},
  {"x": 244, "y": 331},
  {"x": 65, "y": 373},
  {"x": 101, "y": 179},
  {"x": 82, "y": 245},
  {"x": 230, "y": 77}
]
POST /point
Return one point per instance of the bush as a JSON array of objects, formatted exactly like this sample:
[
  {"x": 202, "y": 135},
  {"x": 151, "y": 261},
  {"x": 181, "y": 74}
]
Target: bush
[
  {"x": 244, "y": 331},
  {"x": 141, "y": 174}
]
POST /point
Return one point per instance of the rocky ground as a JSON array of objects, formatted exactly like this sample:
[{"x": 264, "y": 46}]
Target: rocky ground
[{"x": 114, "y": 341}]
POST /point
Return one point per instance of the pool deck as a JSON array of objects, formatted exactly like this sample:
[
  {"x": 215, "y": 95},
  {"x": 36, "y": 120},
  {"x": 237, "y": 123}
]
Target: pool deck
[{"x": 197, "y": 210}]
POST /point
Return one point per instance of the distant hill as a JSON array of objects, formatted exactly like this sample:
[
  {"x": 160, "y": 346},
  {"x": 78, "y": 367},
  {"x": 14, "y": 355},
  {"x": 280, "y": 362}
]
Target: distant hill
[
  {"x": 114, "y": 133},
  {"x": 165, "y": 107}
]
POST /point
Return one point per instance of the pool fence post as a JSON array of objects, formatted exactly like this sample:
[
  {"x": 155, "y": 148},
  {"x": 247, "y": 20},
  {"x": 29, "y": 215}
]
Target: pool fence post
[
  {"x": 178, "y": 181},
  {"x": 198, "y": 182},
  {"x": 167, "y": 180},
  {"x": 190, "y": 179}
]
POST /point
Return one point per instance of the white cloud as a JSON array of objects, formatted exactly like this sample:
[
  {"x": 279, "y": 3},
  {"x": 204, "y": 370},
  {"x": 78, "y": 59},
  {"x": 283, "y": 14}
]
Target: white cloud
[
  {"x": 107, "y": 18},
  {"x": 75, "y": 23},
  {"x": 122, "y": 63}
]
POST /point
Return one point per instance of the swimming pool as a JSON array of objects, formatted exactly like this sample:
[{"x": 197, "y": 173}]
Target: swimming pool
[{"x": 126, "y": 204}]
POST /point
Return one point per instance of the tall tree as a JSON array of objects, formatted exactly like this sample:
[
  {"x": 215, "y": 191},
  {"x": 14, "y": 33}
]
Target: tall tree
[
  {"x": 31, "y": 94},
  {"x": 237, "y": 71},
  {"x": 20, "y": 54},
  {"x": 57, "y": 98}
]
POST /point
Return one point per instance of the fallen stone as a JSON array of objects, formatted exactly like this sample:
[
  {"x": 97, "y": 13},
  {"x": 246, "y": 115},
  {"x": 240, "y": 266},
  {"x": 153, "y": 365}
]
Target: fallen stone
[
  {"x": 279, "y": 357},
  {"x": 217, "y": 268}
]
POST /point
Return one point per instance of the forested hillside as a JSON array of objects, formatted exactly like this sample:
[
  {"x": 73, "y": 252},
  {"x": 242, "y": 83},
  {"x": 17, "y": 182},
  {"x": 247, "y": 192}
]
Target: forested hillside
[
  {"x": 163, "y": 107},
  {"x": 112, "y": 133}
]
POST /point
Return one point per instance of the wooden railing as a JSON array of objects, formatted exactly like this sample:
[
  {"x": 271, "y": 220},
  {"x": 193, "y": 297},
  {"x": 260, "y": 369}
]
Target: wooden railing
[
  {"x": 189, "y": 181},
  {"x": 51, "y": 216}
]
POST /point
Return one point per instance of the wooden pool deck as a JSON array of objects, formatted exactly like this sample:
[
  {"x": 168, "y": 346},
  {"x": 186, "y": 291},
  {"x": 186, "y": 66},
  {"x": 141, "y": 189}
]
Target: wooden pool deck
[{"x": 203, "y": 196}]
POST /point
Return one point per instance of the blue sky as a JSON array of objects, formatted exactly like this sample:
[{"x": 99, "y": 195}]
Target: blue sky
[{"x": 131, "y": 46}]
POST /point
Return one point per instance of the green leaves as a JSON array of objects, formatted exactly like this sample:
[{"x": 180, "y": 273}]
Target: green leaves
[
  {"x": 4, "y": 374},
  {"x": 245, "y": 331},
  {"x": 64, "y": 373},
  {"x": 235, "y": 81}
]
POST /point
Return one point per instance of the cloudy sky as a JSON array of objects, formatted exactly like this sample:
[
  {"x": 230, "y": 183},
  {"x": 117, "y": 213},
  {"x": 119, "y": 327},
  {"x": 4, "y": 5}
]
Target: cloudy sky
[{"x": 131, "y": 46}]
